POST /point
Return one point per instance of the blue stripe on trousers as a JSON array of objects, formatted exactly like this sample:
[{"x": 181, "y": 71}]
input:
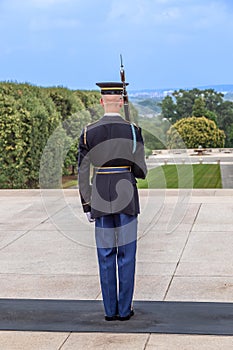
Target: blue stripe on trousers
[{"x": 116, "y": 239}]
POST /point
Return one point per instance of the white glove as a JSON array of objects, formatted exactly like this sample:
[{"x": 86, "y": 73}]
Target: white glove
[{"x": 89, "y": 217}]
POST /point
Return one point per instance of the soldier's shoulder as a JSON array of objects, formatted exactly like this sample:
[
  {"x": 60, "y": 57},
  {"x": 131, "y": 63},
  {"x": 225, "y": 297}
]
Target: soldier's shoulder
[
  {"x": 87, "y": 128},
  {"x": 132, "y": 124},
  {"x": 135, "y": 126},
  {"x": 92, "y": 123}
]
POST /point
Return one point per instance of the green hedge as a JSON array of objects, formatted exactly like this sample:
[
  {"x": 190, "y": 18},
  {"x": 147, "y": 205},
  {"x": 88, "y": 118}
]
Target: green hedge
[{"x": 39, "y": 130}]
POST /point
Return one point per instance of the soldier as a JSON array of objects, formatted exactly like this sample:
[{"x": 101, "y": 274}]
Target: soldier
[{"x": 114, "y": 147}]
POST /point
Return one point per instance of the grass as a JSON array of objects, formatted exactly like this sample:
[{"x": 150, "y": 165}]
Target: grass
[
  {"x": 174, "y": 176},
  {"x": 183, "y": 176},
  {"x": 69, "y": 184},
  {"x": 69, "y": 181}
]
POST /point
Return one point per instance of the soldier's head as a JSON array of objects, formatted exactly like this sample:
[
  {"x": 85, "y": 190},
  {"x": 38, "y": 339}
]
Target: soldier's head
[{"x": 111, "y": 96}]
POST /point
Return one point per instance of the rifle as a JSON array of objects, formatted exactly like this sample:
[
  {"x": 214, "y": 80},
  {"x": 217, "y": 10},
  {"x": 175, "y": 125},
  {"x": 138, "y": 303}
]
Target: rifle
[{"x": 125, "y": 95}]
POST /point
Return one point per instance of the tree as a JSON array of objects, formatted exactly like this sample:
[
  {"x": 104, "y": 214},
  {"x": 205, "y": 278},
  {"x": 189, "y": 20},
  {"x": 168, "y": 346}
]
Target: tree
[
  {"x": 225, "y": 120},
  {"x": 154, "y": 131},
  {"x": 213, "y": 99},
  {"x": 52, "y": 159},
  {"x": 73, "y": 127},
  {"x": 66, "y": 102},
  {"x": 195, "y": 102},
  {"x": 199, "y": 107},
  {"x": 88, "y": 98},
  {"x": 169, "y": 109},
  {"x": 230, "y": 138},
  {"x": 182, "y": 104},
  {"x": 194, "y": 132},
  {"x": 30, "y": 117}
]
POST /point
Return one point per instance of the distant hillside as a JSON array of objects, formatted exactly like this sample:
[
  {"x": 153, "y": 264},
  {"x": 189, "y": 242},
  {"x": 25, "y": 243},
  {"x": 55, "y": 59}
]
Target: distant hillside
[
  {"x": 147, "y": 101},
  {"x": 159, "y": 94},
  {"x": 228, "y": 96},
  {"x": 148, "y": 107},
  {"x": 220, "y": 88}
]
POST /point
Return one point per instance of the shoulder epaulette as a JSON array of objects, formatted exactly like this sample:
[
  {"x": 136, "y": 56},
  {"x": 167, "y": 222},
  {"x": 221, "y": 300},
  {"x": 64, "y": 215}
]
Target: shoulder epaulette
[
  {"x": 132, "y": 123},
  {"x": 136, "y": 125},
  {"x": 93, "y": 123}
]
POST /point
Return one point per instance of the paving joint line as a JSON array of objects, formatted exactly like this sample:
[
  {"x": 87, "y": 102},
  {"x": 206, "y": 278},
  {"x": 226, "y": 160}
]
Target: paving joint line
[
  {"x": 48, "y": 274},
  {"x": 147, "y": 341},
  {"x": 16, "y": 239},
  {"x": 151, "y": 223},
  {"x": 182, "y": 252},
  {"x": 29, "y": 230},
  {"x": 98, "y": 295},
  {"x": 63, "y": 343}
]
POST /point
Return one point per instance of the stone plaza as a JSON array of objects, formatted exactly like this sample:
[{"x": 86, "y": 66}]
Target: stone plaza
[{"x": 184, "y": 253}]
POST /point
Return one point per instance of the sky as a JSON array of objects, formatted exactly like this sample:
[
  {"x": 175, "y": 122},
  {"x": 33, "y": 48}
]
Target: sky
[{"x": 76, "y": 43}]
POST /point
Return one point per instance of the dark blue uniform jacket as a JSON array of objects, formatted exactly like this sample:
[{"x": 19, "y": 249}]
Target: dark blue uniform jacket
[{"x": 110, "y": 142}]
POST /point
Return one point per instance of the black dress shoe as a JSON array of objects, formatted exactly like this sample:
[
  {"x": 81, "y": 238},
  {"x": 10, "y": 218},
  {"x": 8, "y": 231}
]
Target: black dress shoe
[
  {"x": 126, "y": 318},
  {"x": 111, "y": 318}
]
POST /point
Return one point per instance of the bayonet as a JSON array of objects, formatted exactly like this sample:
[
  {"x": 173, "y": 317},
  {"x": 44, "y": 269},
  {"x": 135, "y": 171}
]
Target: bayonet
[{"x": 125, "y": 95}]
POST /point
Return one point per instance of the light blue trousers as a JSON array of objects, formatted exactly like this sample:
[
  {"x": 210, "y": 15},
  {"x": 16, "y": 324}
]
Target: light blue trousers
[{"x": 116, "y": 239}]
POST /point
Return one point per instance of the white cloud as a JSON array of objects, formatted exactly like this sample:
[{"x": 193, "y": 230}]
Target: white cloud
[
  {"x": 161, "y": 11},
  {"x": 31, "y": 5},
  {"x": 170, "y": 19},
  {"x": 131, "y": 10},
  {"x": 146, "y": 13},
  {"x": 47, "y": 2},
  {"x": 45, "y": 23},
  {"x": 37, "y": 15}
]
